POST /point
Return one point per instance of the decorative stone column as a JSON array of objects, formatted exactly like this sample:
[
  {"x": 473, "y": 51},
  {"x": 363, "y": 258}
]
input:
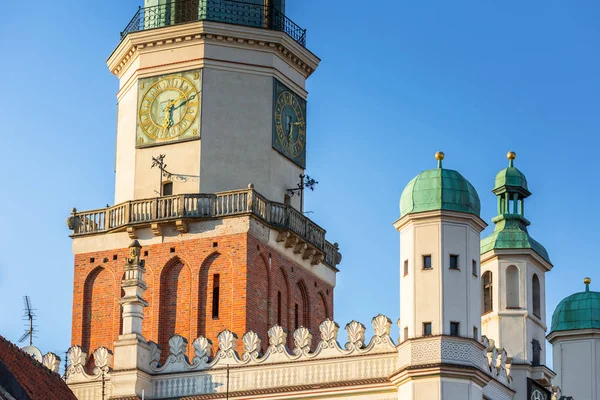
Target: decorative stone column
[
  {"x": 133, "y": 285},
  {"x": 132, "y": 352}
]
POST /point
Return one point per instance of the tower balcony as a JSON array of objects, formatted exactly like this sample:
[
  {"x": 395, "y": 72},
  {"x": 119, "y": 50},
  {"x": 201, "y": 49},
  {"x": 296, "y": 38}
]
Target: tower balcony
[
  {"x": 262, "y": 15},
  {"x": 295, "y": 230}
]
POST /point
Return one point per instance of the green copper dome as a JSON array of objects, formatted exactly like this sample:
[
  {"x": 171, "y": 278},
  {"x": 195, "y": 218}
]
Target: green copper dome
[
  {"x": 439, "y": 189},
  {"x": 578, "y": 311}
]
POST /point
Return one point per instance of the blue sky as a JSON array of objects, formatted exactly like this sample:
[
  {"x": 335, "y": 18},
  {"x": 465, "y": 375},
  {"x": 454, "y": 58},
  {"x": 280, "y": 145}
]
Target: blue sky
[{"x": 398, "y": 81}]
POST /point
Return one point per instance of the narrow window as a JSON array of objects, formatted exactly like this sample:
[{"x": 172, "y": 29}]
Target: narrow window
[
  {"x": 474, "y": 268},
  {"x": 487, "y": 292},
  {"x": 454, "y": 328},
  {"x": 475, "y": 333},
  {"x": 537, "y": 350},
  {"x": 406, "y": 333},
  {"x": 453, "y": 261},
  {"x": 167, "y": 189},
  {"x": 296, "y": 317},
  {"x": 537, "y": 305},
  {"x": 215, "y": 298},
  {"x": 279, "y": 308},
  {"x": 405, "y": 267},
  {"x": 426, "y": 328},
  {"x": 427, "y": 262}
]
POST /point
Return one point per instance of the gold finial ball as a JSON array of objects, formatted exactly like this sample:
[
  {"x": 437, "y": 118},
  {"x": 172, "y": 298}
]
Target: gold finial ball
[
  {"x": 511, "y": 155},
  {"x": 587, "y": 281},
  {"x": 439, "y": 156}
]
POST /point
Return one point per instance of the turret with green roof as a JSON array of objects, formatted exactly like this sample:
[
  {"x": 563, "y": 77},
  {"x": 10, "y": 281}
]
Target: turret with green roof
[
  {"x": 511, "y": 225},
  {"x": 578, "y": 311}
]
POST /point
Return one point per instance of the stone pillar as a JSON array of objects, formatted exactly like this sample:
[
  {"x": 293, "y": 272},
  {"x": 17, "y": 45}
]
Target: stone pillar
[
  {"x": 132, "y": 354},
  {"x": 133, "y": 285}
]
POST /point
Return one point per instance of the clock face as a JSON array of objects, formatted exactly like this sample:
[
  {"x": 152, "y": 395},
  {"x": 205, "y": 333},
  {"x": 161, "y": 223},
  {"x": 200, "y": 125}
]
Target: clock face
[
  {"x": 537, "y": 395},
  {"x": 169, "y": 108},
  {"x": 289, "y": 124}
]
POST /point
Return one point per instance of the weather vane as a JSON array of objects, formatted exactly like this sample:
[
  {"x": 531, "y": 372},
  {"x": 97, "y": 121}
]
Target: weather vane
[{"x": 306, "y": 182}]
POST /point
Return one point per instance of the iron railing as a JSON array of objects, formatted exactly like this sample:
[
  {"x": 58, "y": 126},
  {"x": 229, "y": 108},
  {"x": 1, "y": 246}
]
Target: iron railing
[
  {"x": 203, "y": 206},
  {"x": 227, "y": 11}
]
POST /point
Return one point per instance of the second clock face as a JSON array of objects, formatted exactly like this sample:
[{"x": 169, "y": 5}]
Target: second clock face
[
  {"x": 169, "y": 108},
  {"x": 289, "y": 124}
]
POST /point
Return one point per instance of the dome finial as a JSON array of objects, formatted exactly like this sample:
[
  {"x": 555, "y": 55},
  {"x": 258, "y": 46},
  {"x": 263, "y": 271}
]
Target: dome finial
[
  {"x": 439, "y": 156},
  {"x": 587, "y": 282},
  {"x": 511, "y": 155}
]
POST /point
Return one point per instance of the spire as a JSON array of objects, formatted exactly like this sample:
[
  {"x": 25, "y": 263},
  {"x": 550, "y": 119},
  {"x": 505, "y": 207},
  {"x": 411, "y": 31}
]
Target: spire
[{"x": 510, "y": 231}]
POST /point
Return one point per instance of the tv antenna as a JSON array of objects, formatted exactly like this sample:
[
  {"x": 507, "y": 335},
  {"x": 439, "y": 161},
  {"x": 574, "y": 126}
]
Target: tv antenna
[{"x": 28, "y": 315}]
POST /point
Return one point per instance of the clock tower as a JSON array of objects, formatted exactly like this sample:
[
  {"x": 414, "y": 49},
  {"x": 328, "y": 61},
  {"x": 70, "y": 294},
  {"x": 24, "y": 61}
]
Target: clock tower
[{"x": 211, "y": 135}]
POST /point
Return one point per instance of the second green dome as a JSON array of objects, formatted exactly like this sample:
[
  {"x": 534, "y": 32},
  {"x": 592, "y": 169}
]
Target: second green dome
[
  {"x": 578, "y": 311},
  {"x": 439, "y": 189}
]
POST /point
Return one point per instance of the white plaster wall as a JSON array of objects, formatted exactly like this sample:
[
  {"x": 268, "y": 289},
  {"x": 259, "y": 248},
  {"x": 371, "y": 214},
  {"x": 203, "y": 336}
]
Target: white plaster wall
[
  {"x": 514, "y": 329},
  {"x": 407, "y": 283},
  {"x": 237, "y": 136},
  {"x": 428, "y": 283},
  {"x": 460, "y": 389},
  {"x": 125, "y": 145},
  {"x": 577, "y": 367},
  {"x": 459, "y": 304}
]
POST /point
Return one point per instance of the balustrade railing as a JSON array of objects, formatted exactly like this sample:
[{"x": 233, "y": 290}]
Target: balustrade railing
[
  {"x": 227, "y": 11},
  {"x": 191, "y": 206}
]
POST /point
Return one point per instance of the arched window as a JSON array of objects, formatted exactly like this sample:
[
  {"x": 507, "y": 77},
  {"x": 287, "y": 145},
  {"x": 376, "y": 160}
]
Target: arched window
[
  {"x": 535, "y": 283},
  {"x": 487, "y": 292},
  {"x": 512, "y": 287}
]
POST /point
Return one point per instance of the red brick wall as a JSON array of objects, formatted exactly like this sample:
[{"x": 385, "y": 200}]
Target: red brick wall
[
  {"x": 180, "y": 277},
  {"x": 175, "y": 307}
]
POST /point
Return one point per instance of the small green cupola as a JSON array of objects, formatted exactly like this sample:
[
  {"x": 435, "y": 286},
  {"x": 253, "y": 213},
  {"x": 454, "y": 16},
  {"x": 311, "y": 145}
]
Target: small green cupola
[
  {"x": 510, "y": 231},
  {"x": 578, "y": 311},
  {"x": 439, "y": 189}
]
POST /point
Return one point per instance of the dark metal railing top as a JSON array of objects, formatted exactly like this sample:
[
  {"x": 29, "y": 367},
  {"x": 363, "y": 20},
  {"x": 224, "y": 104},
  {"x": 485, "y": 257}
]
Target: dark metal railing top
[
  {"x": 199, "y": 206},
  {"x": 228, "y": 11}
]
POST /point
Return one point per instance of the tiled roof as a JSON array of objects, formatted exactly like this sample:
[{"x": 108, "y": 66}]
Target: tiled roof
[{"x": 26, "y": 378}]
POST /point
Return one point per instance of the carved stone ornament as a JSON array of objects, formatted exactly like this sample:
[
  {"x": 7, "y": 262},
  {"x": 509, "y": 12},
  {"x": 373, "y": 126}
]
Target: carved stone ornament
[
  {"x": 356, "y": 335},
  {"x": 202, "y": 348},
  {"x": 251, "y": 343},
  {"x": 74, "y": 221},
  {"x": 302, "y": 340},
  {"x": 329, "y": 330},
  {"x": 154, "y": 353},
  {"x": 102, "y": 359},
  {"x": 76, "y": 356},
  {"x": 277, "y": 336},
  {"x": 134, "y": 251},
  {"x": 227, "y": 341},
  {"x": 381, "y": 325},
  {"x": 52, "y": 362},
  {"x": 177, "y": 345}
]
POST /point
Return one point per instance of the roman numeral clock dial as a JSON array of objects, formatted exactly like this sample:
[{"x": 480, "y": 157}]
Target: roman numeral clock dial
[
  {"x": 289, "y": 124},
  {"x": 169, "y": 108}
]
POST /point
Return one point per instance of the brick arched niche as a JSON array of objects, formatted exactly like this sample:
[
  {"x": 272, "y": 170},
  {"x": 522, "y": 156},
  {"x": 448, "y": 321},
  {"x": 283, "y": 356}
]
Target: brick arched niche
[
  {"x": 216, "y": 301},
  {"x": 99, "y": 311},
  {"x": 258, "y": 306},
  {"x": 301, "y": 308},
  {"x": 175, "y": 306},
  {"x": 281, "y": 301}
]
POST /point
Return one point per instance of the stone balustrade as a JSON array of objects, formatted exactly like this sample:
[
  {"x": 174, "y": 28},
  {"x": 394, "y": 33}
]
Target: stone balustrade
[{"x": 144, "y": 212}]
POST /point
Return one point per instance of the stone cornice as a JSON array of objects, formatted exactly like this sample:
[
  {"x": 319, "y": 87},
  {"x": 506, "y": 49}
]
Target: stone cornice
[
  {"x": 579, "y": 334},
  {"x": 441, "y": 215},
  {"x": 531, "y": 255},
  {"x": 296, "y": 55}
]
